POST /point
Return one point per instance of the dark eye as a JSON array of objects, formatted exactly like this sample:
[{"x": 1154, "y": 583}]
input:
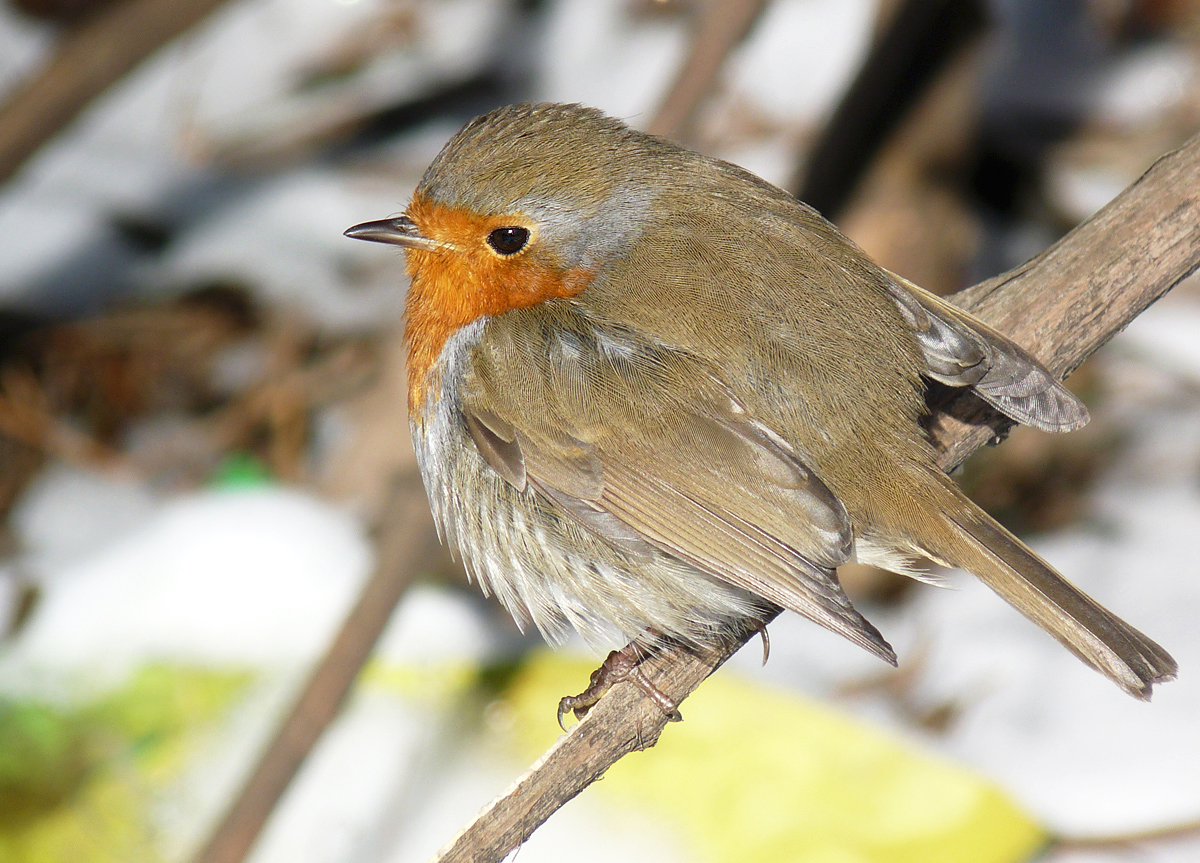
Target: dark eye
[{"x": 508, "y": 241}]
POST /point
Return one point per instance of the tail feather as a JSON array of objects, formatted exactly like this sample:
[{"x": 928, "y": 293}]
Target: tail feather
[{"x": 1029, "y": 584}]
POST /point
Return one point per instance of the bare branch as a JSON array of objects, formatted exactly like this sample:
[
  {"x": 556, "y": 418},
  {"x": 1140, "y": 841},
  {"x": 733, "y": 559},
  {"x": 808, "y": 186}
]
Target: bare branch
[
  {"x": 88, "y": 60},
  {"x": 1124, "y": 841},
  {"x": 722, "y": 25},
  {"x": 1062, "y": 305},
  {"x": 407, "y": 538},
  {"x": 921, "y": 41}
]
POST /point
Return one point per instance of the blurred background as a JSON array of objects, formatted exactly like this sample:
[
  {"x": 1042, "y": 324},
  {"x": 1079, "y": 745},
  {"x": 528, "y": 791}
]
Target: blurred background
[{"x": 208, "y": 502}]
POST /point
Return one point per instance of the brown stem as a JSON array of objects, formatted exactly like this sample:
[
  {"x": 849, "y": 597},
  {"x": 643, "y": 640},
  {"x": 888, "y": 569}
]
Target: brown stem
[
  {"x": 406, "y": 538},
  {"x": 1063, "y": 305},
  {"x": 1171, "y": 832},
  {"x": 722, "y": 25},
  {"x": 87, "y": 61}
]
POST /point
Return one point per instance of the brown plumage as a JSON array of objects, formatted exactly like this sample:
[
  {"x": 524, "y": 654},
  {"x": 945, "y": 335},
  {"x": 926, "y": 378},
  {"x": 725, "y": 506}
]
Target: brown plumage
[{"x": 651, "y": 393}]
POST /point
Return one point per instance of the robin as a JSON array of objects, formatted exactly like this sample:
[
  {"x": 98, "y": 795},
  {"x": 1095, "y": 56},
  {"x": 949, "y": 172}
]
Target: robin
[{"x": 652, "y": 395}]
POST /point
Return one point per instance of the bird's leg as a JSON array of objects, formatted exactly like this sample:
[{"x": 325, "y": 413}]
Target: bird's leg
[{"x": 619, "y": 666}]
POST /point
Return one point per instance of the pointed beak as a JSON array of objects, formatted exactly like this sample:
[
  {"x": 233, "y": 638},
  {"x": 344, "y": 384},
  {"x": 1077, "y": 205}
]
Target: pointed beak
[{"x": 400, "y": 231}]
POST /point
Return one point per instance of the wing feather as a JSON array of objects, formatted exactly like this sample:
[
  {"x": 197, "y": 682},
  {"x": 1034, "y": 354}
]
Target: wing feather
[
  {"x": 621, "y": 453},
  {"x": 961, "y": 350},
  {"x": 739, "y": 552}
]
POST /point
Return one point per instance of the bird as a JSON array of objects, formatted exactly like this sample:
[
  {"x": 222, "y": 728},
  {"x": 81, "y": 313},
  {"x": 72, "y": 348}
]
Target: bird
[{"x": 653, "y": 396}]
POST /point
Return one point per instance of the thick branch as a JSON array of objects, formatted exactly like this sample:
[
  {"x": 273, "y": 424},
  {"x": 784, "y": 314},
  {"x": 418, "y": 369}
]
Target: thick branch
[
  {"x": 1062, "y": 305},
  {"x": 921, "y": 39},
  {"x": 1066, "y": 303}
]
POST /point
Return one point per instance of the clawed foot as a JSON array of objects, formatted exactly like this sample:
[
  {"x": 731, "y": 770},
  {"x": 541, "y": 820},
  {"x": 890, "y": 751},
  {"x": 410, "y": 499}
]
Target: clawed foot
[{"x": 618, "y": 667}]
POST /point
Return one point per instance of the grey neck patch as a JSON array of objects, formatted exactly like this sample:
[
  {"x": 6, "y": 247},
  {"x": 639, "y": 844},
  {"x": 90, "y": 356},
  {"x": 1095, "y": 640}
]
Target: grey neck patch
[{"x": 585, "y": 235}]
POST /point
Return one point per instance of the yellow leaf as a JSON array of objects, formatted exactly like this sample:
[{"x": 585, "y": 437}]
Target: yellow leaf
[{"x": 754, "y": 774}]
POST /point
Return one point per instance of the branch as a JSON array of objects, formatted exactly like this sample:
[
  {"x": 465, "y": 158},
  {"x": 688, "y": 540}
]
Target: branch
[
  {"x": 722, "y": 25},
  {"x": 1063, "y": 305},
  {"x": 406, "y": 539},
  {"x": 89, "y": 59},
  {"x": 1123, "y": 841},
  {"x": 920, "y": 41}
]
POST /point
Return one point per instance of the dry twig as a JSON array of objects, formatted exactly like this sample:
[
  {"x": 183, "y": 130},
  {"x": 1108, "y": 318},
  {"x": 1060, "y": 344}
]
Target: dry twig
[
  {"x": 1063, "y": 305},
  {"x": 722, "y": 25},
  {"x": 89, "y": 59},
  {"x": 406, "y": 539},
  {"x": 25, "y": 417},
  {"x": 1118, "y": 841}
]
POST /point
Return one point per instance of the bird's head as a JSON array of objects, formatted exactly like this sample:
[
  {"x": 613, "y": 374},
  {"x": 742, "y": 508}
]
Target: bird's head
[{"x": 526, "y": 204}]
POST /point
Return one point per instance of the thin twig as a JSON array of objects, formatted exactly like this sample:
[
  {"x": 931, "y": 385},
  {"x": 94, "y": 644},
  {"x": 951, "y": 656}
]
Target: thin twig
[
  {"x": 722, "y": 25},
  {"x": 291, "y": 392},
  {"x": 1062, "y": 305},
  {"x": 24, "y": 417},
  {"x": 1168, "y": 833},
  {"x": 87, "y": 61},
  {"x": 406, "y": 540}
]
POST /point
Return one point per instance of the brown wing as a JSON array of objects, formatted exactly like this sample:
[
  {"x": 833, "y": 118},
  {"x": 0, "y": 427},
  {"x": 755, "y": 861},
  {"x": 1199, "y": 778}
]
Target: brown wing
[
  {"x": 961, "y": 350},
  {"x": 645, "y": 447}
]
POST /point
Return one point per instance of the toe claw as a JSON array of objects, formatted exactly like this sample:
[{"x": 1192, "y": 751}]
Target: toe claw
[
  {"x": 766, "y": 643},
  {"x": 619, "y": 666}
]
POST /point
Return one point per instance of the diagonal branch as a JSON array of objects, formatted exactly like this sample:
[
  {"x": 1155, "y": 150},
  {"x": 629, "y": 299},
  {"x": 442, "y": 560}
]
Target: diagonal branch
[
  {"x": 721, "y": 27},
  {"x": 1063, "y": 305},
  {"x": 89, "y": 59}
]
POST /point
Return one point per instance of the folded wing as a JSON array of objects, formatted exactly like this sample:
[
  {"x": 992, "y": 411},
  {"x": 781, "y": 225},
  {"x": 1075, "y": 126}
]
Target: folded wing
[
  {"x": 961, "y": 350},
  {"x": 606, "y": 448}
]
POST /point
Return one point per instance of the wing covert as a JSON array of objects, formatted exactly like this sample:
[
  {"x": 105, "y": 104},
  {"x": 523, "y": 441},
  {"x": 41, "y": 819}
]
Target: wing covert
[{"x": 604, "y": 435}]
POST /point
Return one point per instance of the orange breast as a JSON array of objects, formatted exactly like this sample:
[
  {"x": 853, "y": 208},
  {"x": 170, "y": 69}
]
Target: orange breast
[{"x": 465, "y": 280}]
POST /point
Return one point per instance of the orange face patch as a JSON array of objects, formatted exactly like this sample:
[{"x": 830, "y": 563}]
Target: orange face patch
[{"x": 465, "y": 280}]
